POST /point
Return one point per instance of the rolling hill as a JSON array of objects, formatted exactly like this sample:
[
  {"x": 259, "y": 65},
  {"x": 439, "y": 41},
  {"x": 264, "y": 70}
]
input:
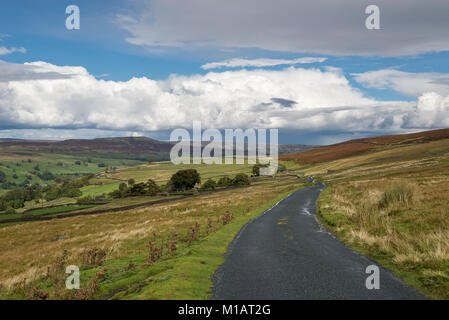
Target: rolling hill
[
  {"x": 131, "y": 148},
  {"x": 362, "y": 146}
]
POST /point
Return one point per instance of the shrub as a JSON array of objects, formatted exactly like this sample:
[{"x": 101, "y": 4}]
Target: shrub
[
  {"x": 85, "y": 200},
  {"x": 122, "y": 186},
  {"x": 46, "y": 175},
  {"x": 209, "y": 184},
  {"x": 10, "y": 210},
  {"x": 152, "y": 187},
  {"x": 256, "y": 169},
  {"x": 241, "y": 180},
  {"x": 400, "y": 193},
  {"x": 184, "y": 179},
  {"x": 224, "y": 182},
  {"x": 116, "y": 194},
  {"x": 282, "y": 168},
  {"x": 137, "y": 189},
  {"x": 131, "y": 181}
]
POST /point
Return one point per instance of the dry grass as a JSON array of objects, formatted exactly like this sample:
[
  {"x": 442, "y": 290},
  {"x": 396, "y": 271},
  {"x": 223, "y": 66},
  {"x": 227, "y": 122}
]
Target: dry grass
[
  {"x": 28, "y": 249},
  {"x": 361, "y": 146},
  {"x": 395, "y": 210}
]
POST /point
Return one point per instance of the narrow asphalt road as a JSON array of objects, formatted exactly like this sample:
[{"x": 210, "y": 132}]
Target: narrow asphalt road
[{"x": 285, "y": 254}]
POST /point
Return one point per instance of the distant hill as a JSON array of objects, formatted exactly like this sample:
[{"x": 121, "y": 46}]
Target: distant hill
[
  {"x": 361, "y": 146},
  {"x": 123, "y": 148},
  {"x": 135, "y": 148}
]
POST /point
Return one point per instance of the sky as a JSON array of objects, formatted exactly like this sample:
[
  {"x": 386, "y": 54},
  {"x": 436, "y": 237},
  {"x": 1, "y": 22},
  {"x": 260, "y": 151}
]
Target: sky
[{"x": 312, "y": 69}]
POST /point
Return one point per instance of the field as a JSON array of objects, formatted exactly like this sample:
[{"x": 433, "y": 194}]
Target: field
[
  {"x": 203, "y": 224},
  {"x": 351, "y": 148},
  {"x": 21, "y": 166},
  {"x": 388, "y": 202},
  {"x": 392, "y": 205}
]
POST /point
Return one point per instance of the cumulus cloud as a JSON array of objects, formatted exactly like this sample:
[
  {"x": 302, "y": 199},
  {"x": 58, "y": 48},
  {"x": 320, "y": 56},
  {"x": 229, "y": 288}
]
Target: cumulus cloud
[
  {"x": 5, "y": 51},
  {"x": 36, "y": 71},
  {"x": 263, "y": 62},
  {"x": 292, "y": 98},
  {"x": 413, "y": 84},
  {"x": 407, "y": 26},
  {"x": 432, "y": 110}
]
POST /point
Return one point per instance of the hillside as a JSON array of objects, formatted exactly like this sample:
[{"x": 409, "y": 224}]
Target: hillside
[
  {"x": 362, "y": 146},
  {"x": 390, "y": 203},
  {"x": 122, "y": 148},
  {"x": 131, "y": 148}
]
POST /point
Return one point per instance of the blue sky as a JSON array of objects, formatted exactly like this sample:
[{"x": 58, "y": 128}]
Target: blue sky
[{"x": 120, "y": 40}]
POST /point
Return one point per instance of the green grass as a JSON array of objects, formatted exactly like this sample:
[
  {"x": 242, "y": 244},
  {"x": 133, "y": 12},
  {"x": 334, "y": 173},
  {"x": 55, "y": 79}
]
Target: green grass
[
  {"x": 185, "y": 276},
  {"x": 58, "y": 164},
  {"x": 46, "y": 211},
  {"x": 400, "y": 193},
  {"x": 98, "y": 190},
  {"x": 397, "y": 217}
]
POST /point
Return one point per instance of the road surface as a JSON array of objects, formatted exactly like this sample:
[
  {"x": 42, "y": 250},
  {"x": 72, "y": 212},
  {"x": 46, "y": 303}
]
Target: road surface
[{"x": 285, "y": 254}]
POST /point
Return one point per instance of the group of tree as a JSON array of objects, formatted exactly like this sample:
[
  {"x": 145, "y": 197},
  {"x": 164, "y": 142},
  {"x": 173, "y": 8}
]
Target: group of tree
[
  {"x": 240, "y": 179},
  {"x": 184, "y": 180},
  {"x": 257, "y": 166},
  {"x": 16, "y": 198},
  {"x": 180, "y": 181},
  {"x": 136, "y": 189}
]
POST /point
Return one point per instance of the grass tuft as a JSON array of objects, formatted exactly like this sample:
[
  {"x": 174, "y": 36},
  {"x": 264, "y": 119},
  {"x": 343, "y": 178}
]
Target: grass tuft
[{"x": 397, "y": 194}]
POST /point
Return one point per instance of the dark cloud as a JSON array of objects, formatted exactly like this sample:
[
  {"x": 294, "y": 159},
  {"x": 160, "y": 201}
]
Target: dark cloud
[
  {"x": 284, "y": 102},
  {"x": 327, "y": 26},
  {"x": 23, "y": 72}
]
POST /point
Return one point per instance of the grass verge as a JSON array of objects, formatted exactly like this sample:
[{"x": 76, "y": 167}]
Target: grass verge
[
  {"x": 390, "y": 236},
  {"x": 188, "y": 275}
]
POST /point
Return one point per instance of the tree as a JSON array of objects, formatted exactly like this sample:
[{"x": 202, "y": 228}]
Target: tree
[
  {"x": 185, "y": 179},
  {"x": 138, "y": 189},
  {"x": 122, "y": 186},
  {"x": 209, "y": 184},
  {"x": 131, "y": 181},
  {"x": 10, "y": 210},
  {"x": 224, "y": 182},
  {"x": 241, "y": 179},
  {"x": 46, "y": 175},
  {"x": 256, "y": 169},
  {"x": 116, "y": 194},
  {"x": 152, "y": 187}
]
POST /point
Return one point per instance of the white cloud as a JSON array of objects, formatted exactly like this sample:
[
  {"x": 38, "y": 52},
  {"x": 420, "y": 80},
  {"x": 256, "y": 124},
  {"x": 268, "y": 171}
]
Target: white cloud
[
  {"x": 326, "y": 27},
  {"x": 413, "y": 84},
  {"x": 293, "y": 98},
  {"x": 263, "y": 62},
  {"x": 5, "y": 51},
  {"x": 432, "y": 110}
]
